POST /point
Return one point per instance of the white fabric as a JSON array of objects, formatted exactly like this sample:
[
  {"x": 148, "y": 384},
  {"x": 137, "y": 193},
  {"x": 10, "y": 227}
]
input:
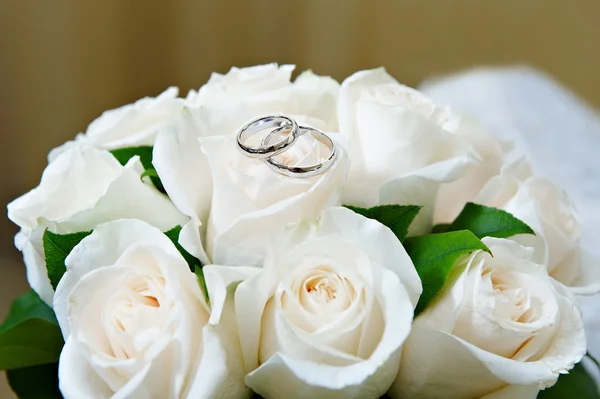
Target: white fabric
[{"x": 558, "y": 132}]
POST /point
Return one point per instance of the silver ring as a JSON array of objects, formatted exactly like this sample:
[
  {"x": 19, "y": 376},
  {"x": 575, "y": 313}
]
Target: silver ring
[
  {"x": 310, "y": 170},
  {"x": 278, "y": 122}
]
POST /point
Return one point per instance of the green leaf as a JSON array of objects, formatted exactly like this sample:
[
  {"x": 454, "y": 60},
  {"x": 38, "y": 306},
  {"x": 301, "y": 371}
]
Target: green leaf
[
  {"x": 397, "y": 217},
  {"x": 123, "y": 155},
  {"x": 485, "y": 221},
  {"x": 202, "y": 281},
  {"x": 56, "y": 249},
  {"x": 434, "y": 255},
  {"x": 577, "y": 384},
  {"x": 27, "y": 306},
  {"x": 193, "y": 262},
  {"x": 35, "y": 382},
  {"x": 149, "y": 173},
  {"x": 30, "y": 335},
  {"x": 440, "y": 228}
]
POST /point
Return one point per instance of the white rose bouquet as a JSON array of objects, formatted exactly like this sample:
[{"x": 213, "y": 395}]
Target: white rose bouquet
[{"x": 269, "y": 238}]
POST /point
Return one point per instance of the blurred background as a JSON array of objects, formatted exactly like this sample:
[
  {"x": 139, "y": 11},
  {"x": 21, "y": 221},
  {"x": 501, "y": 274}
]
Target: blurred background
[{"x": 64, "y": 62}]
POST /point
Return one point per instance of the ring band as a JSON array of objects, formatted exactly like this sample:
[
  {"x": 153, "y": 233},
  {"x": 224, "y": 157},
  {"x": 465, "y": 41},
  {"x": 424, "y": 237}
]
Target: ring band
[
  {"x": 310, "y": 170},
  {"x": 279, "y": 123}
]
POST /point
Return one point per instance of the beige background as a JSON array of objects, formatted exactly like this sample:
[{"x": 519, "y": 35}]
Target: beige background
[{"x": 63, "y": 62}]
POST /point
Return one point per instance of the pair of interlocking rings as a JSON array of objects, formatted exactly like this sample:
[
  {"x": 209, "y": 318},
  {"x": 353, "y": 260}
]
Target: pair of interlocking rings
[{"x": 266, "y": 151}]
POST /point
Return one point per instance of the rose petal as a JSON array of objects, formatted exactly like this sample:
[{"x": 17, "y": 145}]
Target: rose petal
[
  {"x": 453, "y": 196},
  {"x": 30, "y": 244},
  {"x": 122, "y": 200},
  {"x": 76, "y": 378},
  {"x": 134, "y": 124},
  {"x": 72, "y": 183},
  {"x": 588, "y": 280},
  {"x": 218, "y": 280},
  {"x": 420, "y": 187},
  {"x": 447, "y": 369},
  {"x": 251, "y": 296},
  {"x": 179, "y": 160},
  {"x": 221, "y": 371},
  {"x": 514, "y": 392}
]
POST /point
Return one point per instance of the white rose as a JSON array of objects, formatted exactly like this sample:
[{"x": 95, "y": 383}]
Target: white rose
[
  {"x": 131, "y": 125},
  {"x": 226, "y": 102},
  {"x": 400, "y": 150},
  {"x": 328, "y": 313},
  {"x": 549, "y": 211},
  {"x": 166, "y": 123},
  {"x": 137, "y": 325},
  {"x": 221, "y": 108},
  {"x": 82, "y": 188},
  {"x": 500, "y": 327},
  {"x": 251, "y": 202}
]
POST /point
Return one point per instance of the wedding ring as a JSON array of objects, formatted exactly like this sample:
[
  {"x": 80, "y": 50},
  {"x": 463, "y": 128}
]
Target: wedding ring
[
  {"x": 279, "y": 123},
  {"x": 305, "y": 171}
]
